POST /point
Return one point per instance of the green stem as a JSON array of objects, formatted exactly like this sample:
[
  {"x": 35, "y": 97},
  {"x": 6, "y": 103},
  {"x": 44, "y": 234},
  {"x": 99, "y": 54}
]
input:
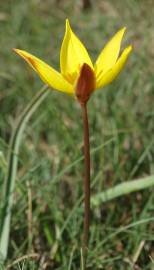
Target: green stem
[{"x": 86, "y": 182}]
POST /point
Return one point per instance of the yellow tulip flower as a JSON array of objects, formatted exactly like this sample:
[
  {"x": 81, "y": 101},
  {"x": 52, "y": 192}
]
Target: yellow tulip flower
[{"x": 78, "y": 76}]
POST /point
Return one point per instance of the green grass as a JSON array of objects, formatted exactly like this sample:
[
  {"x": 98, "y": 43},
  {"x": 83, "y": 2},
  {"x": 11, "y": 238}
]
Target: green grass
[{"x": 52, "y": 142}]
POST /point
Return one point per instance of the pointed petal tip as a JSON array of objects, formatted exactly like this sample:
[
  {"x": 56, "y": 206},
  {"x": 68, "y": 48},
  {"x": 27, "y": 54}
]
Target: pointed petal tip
[
  {"x": 15, "y": 50},
  {"x": 128, "y": 49},
  {"x": 29, "y": 58},
  {"x": 122, "y": 30},
  {"x": 68, "y": 27},
  {"x": 18, "y": 51},
  {"x": 67, "y": 21}
]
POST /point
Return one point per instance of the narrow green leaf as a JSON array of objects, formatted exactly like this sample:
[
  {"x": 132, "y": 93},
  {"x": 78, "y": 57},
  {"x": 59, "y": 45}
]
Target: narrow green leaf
[
  {"x": 12, "y": 169},
  {"x": 3, "y": 162},
  {"x": 122, "y": 189}
]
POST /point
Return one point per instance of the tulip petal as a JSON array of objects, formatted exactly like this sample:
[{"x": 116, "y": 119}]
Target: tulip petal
[
  {"x": 109, "y": 54},
  {"x": 49, "y": 75},
  {"x": 73, "y": 55},
  {"x": 109, "y": 76}
]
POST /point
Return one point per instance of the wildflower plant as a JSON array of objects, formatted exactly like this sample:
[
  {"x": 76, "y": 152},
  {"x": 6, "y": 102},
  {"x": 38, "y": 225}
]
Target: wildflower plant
[{"x": 80, "y": 78}]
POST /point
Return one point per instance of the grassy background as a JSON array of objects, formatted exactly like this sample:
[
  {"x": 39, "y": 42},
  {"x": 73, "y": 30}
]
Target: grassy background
[{"x": 123, "y": 112}]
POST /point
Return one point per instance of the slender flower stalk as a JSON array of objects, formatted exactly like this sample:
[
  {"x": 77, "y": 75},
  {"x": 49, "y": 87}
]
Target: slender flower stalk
[
  {"x": 80, "y": 78},
  {"x": 86, "y": 180},
  {"x": 84, "y": 88}
]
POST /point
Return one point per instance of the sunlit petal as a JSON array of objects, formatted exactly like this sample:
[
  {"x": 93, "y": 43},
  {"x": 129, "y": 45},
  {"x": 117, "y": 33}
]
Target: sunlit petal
[
  {"x": 49, "y": 75},
  {"x": 73, "y": 55},
  {"x": 109, "y": 54},
  {"x": 113, "y": 73}
]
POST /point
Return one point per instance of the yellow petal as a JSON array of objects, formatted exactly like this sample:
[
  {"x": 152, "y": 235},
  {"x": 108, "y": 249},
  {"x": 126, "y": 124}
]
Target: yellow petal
[
  {"x": 49, "y": 75},
  {"x": 73, "y": 55},
  {"x": 109, "y": 76},
  {"x": 109, "y": 54}
]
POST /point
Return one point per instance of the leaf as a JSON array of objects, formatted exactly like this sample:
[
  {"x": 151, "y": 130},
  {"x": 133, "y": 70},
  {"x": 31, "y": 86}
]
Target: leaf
[
  {"x": 122, "y": 189},
  {"x": 12, "y": 170}
]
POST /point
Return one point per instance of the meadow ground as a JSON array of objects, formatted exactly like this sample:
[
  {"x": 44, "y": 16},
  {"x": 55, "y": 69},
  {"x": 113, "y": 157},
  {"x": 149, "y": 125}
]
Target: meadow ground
[{"x": 50, "y": 170}]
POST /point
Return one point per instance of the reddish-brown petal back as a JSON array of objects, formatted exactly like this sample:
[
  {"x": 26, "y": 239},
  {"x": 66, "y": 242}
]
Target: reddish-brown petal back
[{"x": 85, "y": 84}]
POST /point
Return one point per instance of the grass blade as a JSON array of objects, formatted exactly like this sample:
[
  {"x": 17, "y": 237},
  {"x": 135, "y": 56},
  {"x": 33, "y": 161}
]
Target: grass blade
[
  {"x": 12, "y": 169},
  {"x": 122, "y": 189}
]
